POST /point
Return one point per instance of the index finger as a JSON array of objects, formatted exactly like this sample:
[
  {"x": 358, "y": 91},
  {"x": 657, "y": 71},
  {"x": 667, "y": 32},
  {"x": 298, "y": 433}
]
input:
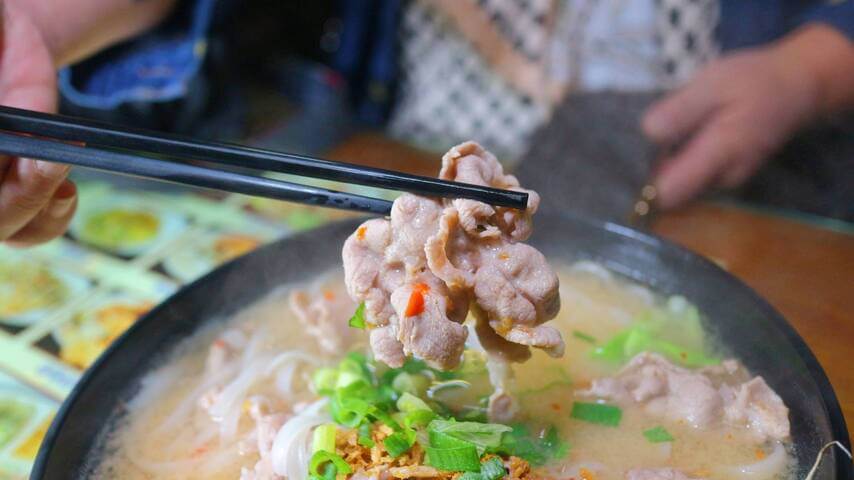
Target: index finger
[{"x": 671, "y": 119}]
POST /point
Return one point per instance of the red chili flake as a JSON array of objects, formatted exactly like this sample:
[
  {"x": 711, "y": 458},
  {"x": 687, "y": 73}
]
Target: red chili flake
[{"x": 415, "y": 306}]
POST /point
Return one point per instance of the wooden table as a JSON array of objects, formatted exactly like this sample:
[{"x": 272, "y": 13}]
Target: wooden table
[{"x": 804, "y": 271}]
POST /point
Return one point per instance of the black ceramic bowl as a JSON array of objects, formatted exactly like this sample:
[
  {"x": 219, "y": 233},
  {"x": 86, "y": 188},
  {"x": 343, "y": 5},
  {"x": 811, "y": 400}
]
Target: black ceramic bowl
[{"x": 747, "y": 325}]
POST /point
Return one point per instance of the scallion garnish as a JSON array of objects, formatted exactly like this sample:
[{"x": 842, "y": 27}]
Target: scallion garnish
[
  {"x": 535, "y": 449},
  {"x": 331, "y": 463},
  {"x": 492, "y": 469},
  {"x": 458, "y": 459},
  {"x": 597, "y": 413},
  {"x": 583, "y": 336},
  {"x": 409, "y": 403},
  {"x": 418, "y": 418},
  {"x": 658, "y": 435},
  {"x": 323, "y": 439},
  {"x": 358, "y": 318},
  {"x": 399, "y": 443},
  {"x": 364, "y": 438},
  {"x": 481, "y": 435}
]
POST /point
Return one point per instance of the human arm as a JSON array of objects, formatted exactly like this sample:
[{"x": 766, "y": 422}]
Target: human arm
[{"x": 741, "y": 108}]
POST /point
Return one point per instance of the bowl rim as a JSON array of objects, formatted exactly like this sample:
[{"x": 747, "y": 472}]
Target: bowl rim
[{"x": 836, "y": 418}]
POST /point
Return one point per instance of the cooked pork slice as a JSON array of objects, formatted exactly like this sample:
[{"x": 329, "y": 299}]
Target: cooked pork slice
[
  {"x": 657, "y": 474},
  {"x": 424, "y": 328},
  {"x": 671, "y": 391},
  {"x": 466, "y": 252},
  {"x": 321, "y": 314},
  {"x": 267, "y": 426},
  {"x": 471, "y": 163},
  {"x": 367, "y": 275},
  {"x": 755, "y": 405},
  {"x": 664, "y": 389},
  {"x": 518, "y": 291},
  {"x": 413, "y": 220},
  {"x": 386, "y": 347}
]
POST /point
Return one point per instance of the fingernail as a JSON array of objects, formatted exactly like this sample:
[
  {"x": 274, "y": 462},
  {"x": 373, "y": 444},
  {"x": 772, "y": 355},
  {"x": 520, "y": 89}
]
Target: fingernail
[
  {"x": 51, "y": 169},
  {"x": 59, "y": 207}
]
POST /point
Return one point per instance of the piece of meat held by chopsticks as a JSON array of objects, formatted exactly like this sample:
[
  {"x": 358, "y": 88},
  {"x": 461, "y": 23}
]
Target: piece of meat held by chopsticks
[{"x": 418, "y": 272}]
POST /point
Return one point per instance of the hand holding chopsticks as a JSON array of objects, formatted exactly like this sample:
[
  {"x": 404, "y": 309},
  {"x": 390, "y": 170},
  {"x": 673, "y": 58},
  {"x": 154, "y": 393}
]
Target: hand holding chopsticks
[{"x": 163, "y": 157}]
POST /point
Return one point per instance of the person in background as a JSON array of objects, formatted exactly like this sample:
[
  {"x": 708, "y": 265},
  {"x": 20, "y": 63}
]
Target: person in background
[{"x": 745, "y": 75}]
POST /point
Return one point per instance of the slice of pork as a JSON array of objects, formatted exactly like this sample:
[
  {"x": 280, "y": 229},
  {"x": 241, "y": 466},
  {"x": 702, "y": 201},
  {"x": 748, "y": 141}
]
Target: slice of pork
[
  {"x": 468, "y": 253},
  {"x": 322, "y": 312},
  {"x": 667, "y": 390}
]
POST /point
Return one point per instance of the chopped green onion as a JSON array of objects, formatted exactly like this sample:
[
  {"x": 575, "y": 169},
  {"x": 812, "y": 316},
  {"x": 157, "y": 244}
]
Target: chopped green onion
[
  {"x": 459, "y": 459},
  {"x": 322, "y": 457},
  {"x": 348, "y": 379},
  {"x": 386, "y": 419},
  {"x": 350, "y": 412},
  {"x": 658, "y": 435},
  {"x": 364, "y": 438},
  {"x": 410, "y": 403},
  {"x": 398, "y": 443},
  {"x": 328, "y": 473},
  {"x": 470, "y": 476},
  {"x": 481, "y": 435},
  {"x": 653, "y": 331},
  {"x": 492, "y": 469},
  {"x": 536, "y": 450},
  {"x": 443, "y": 440},
  {"x": 358, "y": 318},
  {"x": 597, "y": 413},
  {"x": 324, "y": 380},
  {"x": 413, "y": 383},
  {"x": 418, "y": 418},
  {"x": 324, "y": 438},
  {"x": 583, "y": 336}
]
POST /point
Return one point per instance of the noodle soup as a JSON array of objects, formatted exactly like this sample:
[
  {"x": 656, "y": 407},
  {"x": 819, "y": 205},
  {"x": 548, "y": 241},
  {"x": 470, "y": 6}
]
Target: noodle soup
[{"x": 242, "y": 400}]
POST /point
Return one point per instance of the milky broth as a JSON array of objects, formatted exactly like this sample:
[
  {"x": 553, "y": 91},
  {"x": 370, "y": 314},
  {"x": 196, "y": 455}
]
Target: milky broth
[{"x": 594, "y": 302}]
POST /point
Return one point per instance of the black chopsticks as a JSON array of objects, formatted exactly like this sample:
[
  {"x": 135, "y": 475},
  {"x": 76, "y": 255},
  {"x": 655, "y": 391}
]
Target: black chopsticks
[
  {"x": 173, "y": 172},
  {"x": 127, "y": 150}
]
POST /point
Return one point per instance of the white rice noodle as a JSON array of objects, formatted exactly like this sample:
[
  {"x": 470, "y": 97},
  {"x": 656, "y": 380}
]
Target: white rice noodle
[
  {"x": 287, "y": 364},
  {"x": 227, "y": 409},
  {"x": 291, "y": 450},
  {"x": 180, "y": 413},
  {"x": 769, "y": 467}
]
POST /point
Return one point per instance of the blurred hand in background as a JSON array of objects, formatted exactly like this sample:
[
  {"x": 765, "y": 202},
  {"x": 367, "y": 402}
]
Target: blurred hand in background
[
  {"x": 37, "y": 201},
  {"x": 738, "y": 110}
]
